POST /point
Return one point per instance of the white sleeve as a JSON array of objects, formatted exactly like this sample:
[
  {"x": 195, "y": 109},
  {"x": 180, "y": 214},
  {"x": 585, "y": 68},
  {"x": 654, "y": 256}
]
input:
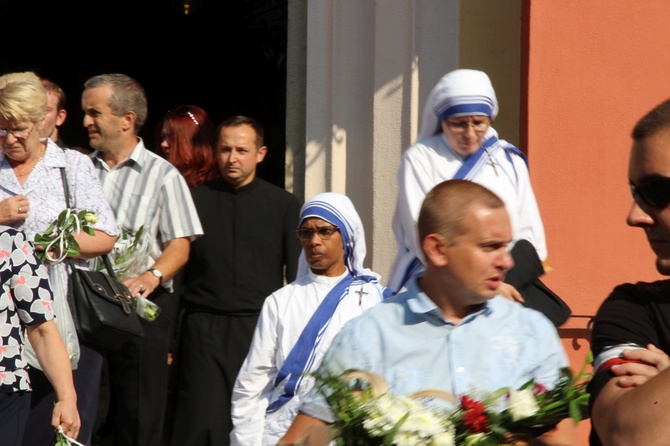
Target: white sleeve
[
  {"x": 415, "y": 180},
  {"x": 254, "y": 382},
  {"x": 530, "y": 225}
]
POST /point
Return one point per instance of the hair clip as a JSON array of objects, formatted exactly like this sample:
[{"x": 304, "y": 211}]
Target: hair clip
[
  {"x": 183, "y": 111},
  {"x": 190, "y": 115}
]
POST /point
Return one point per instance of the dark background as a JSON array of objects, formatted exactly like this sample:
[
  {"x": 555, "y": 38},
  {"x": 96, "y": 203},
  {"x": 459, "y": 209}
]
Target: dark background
[{"x": 226, "y": 56}]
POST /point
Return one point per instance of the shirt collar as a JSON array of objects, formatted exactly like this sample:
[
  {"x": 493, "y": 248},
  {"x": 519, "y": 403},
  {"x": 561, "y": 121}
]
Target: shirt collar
[
  {"x": 420, "y": 303},
  {"x": 138, "y": 156}
]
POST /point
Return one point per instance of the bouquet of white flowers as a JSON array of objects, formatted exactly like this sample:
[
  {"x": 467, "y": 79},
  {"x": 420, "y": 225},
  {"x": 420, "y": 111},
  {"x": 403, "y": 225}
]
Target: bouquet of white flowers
[
  {"x": 367, "y": 414},
  {"x": 129, "y": 255},
  {"x": 129, "y": 259}
]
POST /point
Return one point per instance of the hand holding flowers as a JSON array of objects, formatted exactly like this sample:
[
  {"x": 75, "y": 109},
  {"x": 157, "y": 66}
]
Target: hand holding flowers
[{"x": 58, "y": 241}]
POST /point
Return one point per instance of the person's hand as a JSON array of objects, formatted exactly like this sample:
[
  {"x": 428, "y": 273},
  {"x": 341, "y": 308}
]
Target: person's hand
[
  {"x": 652, "y": 361},
  {"x": 142, "y": 285},
  {"x": 509, "y": 292},
  {"x": 14, "y": 208},
  {"x": 65, "y": 415}
]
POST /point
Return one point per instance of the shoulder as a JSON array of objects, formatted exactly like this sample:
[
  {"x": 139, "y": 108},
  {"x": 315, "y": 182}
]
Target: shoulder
[
  {"x": 531, "y": 322},
  {"x": 154, "y": 162},
  {"x": 629, "y": 296},
  {"x": 275, "y": 190},
  {"x": 387, "y": 313},
  {"x": 423, "y": 147},
  {"x": 288, "y": 292},
  {"x": 76, "y": 158}
]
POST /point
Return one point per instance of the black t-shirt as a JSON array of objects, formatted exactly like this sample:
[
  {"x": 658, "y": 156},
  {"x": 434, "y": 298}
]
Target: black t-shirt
[{"x": 637, "y": 314}]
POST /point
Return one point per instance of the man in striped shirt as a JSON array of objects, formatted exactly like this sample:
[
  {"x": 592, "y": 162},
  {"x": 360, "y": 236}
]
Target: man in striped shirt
[{"x": 143, "y": 190}]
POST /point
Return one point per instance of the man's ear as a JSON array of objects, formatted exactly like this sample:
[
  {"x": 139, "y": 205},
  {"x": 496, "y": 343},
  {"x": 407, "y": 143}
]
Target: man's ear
[
  {"x": 260, "y": 156},
  {"x": 129, "y": 119},
  {"x": 60, "y": 117},
  {"x": 434, "y": 249}
]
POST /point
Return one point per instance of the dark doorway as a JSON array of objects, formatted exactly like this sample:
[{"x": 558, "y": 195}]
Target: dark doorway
[{"x": 226, "y": 56}]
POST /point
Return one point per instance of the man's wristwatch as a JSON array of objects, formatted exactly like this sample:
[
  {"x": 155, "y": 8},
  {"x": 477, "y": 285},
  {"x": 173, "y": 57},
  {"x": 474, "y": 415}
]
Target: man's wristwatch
[{"x": 158, "y": 274}]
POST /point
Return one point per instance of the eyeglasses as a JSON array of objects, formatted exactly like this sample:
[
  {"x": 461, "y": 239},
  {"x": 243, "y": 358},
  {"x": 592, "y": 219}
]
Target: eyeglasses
[
  {"x": 324, "y": 233},
  {"x": 463, "y": 126},
  {"x": 18, "y": 134},
  {"x": 653, "y": 193}
]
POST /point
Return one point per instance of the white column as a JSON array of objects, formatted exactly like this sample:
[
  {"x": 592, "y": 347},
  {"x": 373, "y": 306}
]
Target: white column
[{"x": 369, "y": 66}]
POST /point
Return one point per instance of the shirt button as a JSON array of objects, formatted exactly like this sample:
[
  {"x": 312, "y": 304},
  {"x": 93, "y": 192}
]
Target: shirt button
[{"x": 460, "y": 369}]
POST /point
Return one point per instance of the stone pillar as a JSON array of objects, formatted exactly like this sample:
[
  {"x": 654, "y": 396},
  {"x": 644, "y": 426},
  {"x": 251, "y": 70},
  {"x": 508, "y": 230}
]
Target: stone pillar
[{"x": 369, "y": 67}]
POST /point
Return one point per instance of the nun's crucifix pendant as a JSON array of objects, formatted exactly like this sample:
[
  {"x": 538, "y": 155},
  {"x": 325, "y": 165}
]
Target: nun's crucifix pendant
[{"x": 360, "y": 293}]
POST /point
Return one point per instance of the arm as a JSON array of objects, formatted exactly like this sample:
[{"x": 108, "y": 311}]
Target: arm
[
  {"x": 641, "y": 366},
  {"x": 101, "y": 243},
  {"x": 530, "y": 223},
  {"x": 174, "y": 257},
  {"x": 255, "y": 380},
  {"x": 509, "y": 292},
  {"x": 298, "y": 429},
  {"x": 292, "y": 248},
  {"x": 565, "y": 434},
  {"x": 414, "y": 182},
  {"x": 631, "y": 407},
  {"x": 53, "y": 359}
]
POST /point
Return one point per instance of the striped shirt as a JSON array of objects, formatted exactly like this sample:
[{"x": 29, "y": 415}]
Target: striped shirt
[{"x": 144, "y": 189}]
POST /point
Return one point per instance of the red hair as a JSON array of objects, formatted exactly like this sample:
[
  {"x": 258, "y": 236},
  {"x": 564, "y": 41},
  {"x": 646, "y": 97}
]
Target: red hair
[{"x": 192, "y": 141}]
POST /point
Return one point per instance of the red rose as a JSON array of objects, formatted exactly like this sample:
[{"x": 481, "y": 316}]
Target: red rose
[{"x": 475, "y": 418}]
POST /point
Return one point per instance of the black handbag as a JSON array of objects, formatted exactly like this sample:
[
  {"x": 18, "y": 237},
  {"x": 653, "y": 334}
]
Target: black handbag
[
  {"x": 102, "y": 307},
  {"x": 525, "y": 277}
]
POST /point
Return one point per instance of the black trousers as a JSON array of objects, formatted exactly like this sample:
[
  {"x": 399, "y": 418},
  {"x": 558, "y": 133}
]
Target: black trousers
[
  {"x": 212, "y": 348},
  {"x": 14, "y": 408},
  {"x": 134, "y": 390},
  {"x": 86, "y": 383}
]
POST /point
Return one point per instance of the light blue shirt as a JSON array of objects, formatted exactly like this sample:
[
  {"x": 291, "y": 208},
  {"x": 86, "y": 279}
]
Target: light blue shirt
[{"x": 408, "y": 341}]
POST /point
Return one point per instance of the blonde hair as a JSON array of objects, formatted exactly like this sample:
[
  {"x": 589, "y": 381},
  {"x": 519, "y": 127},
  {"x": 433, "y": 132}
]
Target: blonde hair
[{"x": 22, "y": 97}]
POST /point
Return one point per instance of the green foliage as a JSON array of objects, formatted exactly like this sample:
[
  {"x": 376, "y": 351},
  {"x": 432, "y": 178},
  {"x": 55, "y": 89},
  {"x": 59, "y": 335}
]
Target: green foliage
[{"x": 58, "y": 241}]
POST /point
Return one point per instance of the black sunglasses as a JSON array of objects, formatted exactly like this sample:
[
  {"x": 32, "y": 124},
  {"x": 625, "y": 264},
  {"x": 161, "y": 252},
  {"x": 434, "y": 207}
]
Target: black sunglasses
[{"x": 653, "y": 192}]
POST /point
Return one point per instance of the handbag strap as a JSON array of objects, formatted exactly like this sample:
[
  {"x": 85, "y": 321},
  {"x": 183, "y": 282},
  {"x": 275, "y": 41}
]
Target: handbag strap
[{"x": 105, "y": 257}]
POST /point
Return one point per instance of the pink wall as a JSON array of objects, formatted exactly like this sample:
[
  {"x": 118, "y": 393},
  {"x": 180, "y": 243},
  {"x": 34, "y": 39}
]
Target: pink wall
[{"x": 594, "y": 68}]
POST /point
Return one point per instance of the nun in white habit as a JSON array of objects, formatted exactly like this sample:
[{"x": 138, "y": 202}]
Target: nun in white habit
[
  {"x": 456, "y": 140},
  {"x": 298, "y": 322}
]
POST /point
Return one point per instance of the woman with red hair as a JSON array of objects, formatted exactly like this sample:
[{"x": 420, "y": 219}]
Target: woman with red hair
[{"x": 187, "y": 138}]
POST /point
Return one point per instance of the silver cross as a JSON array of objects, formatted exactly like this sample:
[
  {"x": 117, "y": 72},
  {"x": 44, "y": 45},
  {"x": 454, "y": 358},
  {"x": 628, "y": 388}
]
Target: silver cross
[
  {"x": 360, "y": 293},
  {"x": 493, "y": 164}
]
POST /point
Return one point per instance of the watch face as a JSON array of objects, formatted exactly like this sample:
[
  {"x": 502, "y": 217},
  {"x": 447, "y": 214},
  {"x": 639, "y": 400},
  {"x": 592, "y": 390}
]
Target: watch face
[{"x": 156, "y": 273}]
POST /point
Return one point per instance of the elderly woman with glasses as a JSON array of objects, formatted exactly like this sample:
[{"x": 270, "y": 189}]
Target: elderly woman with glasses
[
  {"x": 298, "y": 322},
  {"x": 456, "y": 141},
  {"x": 32, "y": 196}
]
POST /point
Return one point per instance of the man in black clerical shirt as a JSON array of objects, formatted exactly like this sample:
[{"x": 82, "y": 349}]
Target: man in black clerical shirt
[{"x": 248, "y": 251}]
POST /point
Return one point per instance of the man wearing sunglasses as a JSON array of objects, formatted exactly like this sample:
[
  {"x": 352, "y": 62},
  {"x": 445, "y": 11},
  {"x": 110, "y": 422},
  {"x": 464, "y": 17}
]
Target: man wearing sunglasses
[{"x": 630, "y": 391}]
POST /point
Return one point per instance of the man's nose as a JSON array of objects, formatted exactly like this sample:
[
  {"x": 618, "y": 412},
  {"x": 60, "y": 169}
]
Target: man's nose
[{"x": 637, "y": 217}]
